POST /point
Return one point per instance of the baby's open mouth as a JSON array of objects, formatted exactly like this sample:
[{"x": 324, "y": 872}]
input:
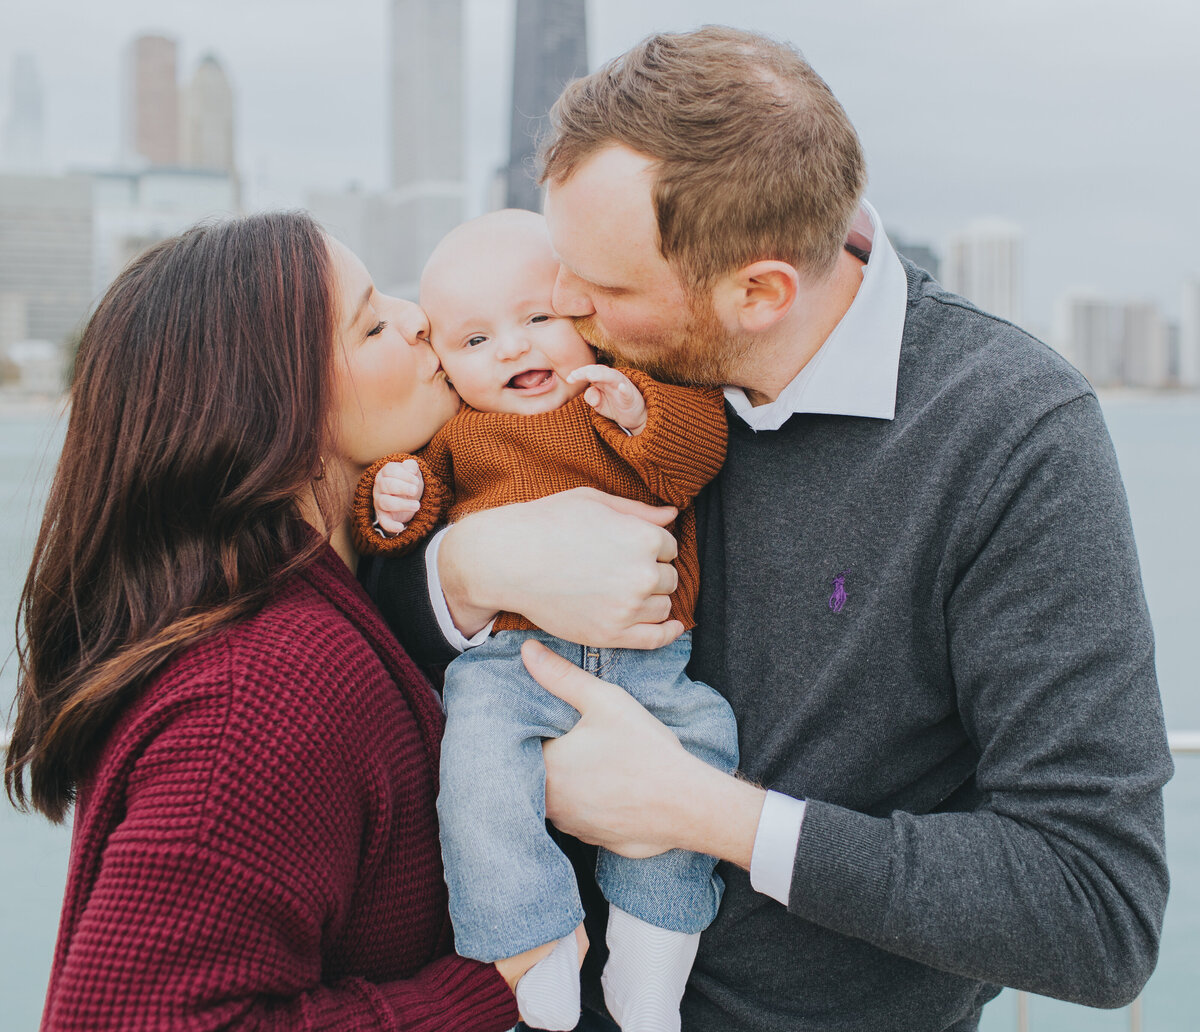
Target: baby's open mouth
[{"x": 530, "y": 379}]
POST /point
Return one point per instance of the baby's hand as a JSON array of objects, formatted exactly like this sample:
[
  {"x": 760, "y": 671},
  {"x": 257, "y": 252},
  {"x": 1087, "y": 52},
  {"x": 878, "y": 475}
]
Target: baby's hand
[
  {"x": 397, "y": 495},
  {"x": 613, "y": 395}
]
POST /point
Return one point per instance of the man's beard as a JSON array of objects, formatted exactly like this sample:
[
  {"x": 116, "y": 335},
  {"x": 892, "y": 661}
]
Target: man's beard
[{"x": 699, "y": 353}]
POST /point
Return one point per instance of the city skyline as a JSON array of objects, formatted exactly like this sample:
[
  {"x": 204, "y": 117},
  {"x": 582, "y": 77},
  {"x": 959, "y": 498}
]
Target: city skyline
[{"x": 1058, "y": 122}]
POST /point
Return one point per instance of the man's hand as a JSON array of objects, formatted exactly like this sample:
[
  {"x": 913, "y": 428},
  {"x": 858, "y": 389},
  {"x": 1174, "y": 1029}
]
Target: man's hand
[
  {"x": 397, "y": 494},
  {"x": 620, "y": 779},
  {"x": 582, "y": 565},
  {"x": 613, "y": 395}
]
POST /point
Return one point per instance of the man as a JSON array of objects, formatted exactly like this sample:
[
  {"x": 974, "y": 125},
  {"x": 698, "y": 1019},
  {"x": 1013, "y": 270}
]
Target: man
[{"x": 920, "y": 592}]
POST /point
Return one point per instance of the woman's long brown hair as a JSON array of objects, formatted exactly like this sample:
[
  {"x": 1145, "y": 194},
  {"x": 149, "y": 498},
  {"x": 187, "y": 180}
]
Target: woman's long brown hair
[{"x": 198, "y": 411}]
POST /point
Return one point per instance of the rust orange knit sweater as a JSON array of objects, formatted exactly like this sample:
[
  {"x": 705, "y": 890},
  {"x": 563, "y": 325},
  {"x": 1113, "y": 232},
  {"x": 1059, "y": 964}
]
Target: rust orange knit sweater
[{"x": 481, "y": 460}]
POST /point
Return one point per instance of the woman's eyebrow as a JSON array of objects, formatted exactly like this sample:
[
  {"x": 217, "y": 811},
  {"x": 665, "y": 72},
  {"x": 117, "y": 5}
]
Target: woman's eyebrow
[{"x": 361, "y": 305}]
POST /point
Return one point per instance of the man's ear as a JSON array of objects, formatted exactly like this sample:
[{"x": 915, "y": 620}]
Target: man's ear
[{"x": 760, "y": 294}]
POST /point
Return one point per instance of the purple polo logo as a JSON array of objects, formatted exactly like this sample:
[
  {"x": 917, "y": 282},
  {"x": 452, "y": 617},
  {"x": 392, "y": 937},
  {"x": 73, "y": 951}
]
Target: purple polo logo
[{"x": 838, "y": 598}]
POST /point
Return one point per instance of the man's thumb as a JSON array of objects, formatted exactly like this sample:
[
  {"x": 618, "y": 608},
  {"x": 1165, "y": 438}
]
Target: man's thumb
[
  {"x": 660, "y": 515},
  {"x": 557, "y": 675}
]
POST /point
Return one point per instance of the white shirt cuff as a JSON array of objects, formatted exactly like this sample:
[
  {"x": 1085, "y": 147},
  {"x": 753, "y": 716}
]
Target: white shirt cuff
[
  {"x": 775, "y": 845},
  {"x": 454, "y": 637}
]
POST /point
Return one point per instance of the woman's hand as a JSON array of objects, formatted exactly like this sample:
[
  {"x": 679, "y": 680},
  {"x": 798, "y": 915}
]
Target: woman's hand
[
  {"x": 620, "y": 779},
  {"x": 582, "y": 565},
  {"x": 513, "y": 969}
]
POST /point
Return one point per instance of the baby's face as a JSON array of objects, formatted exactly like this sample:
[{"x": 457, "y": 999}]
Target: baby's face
[{"x": 494, "y": 328}]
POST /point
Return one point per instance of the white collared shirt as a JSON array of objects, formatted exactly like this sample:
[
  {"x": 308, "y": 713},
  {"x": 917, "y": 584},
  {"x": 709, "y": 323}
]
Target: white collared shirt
[{"x": 854, "y": 373}]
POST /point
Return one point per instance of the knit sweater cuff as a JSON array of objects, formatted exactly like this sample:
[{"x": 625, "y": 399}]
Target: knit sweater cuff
[
  {"x": 434, "y": 502},
  {"x": 682, "y": 446},
  {"x": 843, "y": 867},
  {"x": 453, "y": 993}
]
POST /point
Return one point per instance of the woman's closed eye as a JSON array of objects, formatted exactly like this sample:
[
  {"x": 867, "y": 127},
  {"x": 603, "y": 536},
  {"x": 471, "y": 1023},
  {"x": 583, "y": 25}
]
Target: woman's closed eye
[{"x": 378, "y": 328}]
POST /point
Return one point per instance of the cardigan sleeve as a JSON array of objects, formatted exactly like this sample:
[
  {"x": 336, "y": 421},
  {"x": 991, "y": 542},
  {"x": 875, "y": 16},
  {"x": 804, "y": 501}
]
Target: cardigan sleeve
[
  {"x": 231, "y": 863},
  {"x": 437, "y": 471},
  {"x": 682, "y": 446}
]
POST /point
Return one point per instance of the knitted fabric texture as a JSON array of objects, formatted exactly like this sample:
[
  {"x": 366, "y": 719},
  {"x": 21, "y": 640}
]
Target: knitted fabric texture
[
  {"x": 481, "y": 460},
  {"x": 257, "y": 845}
]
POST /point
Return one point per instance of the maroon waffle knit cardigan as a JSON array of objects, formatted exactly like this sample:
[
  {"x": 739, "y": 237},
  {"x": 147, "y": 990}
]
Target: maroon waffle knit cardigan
[{"x": 257, "y": 845}]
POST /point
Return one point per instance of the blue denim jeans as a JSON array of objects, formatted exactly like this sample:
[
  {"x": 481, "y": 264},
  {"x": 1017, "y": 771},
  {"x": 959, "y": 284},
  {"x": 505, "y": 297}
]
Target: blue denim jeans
[{"x": 510, "y": 886}]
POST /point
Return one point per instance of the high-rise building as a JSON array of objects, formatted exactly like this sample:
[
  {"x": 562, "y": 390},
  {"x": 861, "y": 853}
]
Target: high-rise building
[
  {"x": 206, "y": 119},
  {"x": 136, "y": 208},
  {"x": 1145, "y": 343},
  {"x": 376, "y": 227},
  {"x": 919, "y": 254},
  {"x": 550, "y": 50},
  {"x": 45, "y": 258},
  {"x": 151, "y": 108},
  {"x": 1087, "y": 332},
  {"x": 426, "y": 107},
  {"x": 1115, "y": 343},
  {"x": 22, "y": 149},
  {"x": 984, "y": 265},
  {"x": 1188, "y": 363}
]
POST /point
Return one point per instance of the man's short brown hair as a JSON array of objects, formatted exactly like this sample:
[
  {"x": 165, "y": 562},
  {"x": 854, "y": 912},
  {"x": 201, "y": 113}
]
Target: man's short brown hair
[{"x": 755, "y": 158}]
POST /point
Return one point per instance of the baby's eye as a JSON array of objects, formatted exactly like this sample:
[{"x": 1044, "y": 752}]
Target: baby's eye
[
  {"x": 540, "y": 318},
  {"x": 473, "y": 341},
  {"x": 377, "y": 328}
]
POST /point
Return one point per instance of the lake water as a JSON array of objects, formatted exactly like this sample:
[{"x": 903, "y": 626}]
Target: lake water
[{"x": 1157, "y": 440}]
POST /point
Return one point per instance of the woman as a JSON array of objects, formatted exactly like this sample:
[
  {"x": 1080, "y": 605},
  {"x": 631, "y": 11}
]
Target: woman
[{"x": 251, "y": 756}]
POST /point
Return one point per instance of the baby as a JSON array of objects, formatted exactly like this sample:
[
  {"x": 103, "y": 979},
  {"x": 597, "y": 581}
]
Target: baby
[{"x": 540, "y": 416}]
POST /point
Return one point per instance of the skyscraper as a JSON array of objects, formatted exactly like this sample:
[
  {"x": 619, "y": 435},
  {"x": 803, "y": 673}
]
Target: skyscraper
[
  {"x": 151, "y": 108},
  {"x": 426, "y": 105},
  {"x": 550, "y": 50},
  {"x": 983, "y": 264},
  {"x": 1188, "y": 365},
  {"x": 45, "y": 257},
  {"x": 920, "y": 254},
  {"x": 206, "y": 119},
  {"x": 22, "y": 149},
  {"x": 1114, "y": 343},
  {"x": 1145, "y": 344}
]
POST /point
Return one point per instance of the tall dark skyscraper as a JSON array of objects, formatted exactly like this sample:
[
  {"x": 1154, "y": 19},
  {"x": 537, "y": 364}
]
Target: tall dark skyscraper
[{"x": 550, "y": 51}]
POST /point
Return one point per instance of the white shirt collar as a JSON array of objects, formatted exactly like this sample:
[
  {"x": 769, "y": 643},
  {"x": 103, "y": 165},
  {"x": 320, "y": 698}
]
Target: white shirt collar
[{"x": 855, "y": 371}]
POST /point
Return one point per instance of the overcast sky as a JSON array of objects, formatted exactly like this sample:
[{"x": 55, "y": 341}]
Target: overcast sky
[{"x": 1076, "y": 119}]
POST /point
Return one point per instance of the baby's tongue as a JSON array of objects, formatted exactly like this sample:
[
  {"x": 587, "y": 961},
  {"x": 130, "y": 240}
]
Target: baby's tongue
[{"x": 533, "y": 378}]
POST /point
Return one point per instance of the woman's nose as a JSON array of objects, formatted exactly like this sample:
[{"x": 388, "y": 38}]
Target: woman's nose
[
  {"x": 408, "y": 318},
  {"x": 569, "y": 297}
]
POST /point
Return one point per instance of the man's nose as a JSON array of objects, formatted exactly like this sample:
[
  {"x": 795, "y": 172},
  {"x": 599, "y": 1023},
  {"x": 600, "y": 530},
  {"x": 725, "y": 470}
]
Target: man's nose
[{"x": 569, "y": 297}]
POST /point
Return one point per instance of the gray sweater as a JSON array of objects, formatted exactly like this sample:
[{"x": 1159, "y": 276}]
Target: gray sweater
[{"x": 933, "y": 629}]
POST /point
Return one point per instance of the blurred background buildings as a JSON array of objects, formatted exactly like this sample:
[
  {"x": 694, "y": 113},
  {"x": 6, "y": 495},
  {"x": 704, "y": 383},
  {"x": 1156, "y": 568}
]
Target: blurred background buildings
[
  {"x": 549, "y": 51},
  {"x": 63, "y": 237}
]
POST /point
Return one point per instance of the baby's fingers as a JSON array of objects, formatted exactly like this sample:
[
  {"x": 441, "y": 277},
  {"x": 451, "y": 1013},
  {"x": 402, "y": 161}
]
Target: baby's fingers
[
  {"x": 601, "y": 374},
  {"x": 402, "y": 484}
]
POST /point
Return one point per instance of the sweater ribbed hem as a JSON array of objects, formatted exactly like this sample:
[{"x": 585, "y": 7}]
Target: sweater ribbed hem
[
  {"x": 842, "y": 872},
  {"x": 473, "y": 998},
  {"x": 434, "y": 502}
]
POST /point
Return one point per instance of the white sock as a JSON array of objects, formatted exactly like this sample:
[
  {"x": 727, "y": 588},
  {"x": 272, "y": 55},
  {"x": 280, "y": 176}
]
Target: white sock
[
  {"x": 646, "y": 973},
  {"x": 548, "y": 993}
]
